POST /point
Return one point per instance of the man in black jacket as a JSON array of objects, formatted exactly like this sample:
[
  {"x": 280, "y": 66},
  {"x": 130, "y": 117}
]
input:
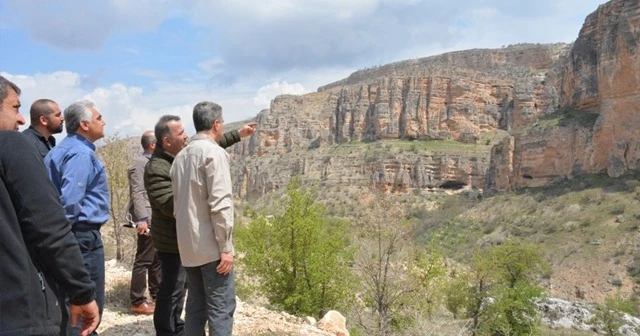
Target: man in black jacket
[
  {"x": 170, "y": 140},
  {"x": 37, "y": 246}
]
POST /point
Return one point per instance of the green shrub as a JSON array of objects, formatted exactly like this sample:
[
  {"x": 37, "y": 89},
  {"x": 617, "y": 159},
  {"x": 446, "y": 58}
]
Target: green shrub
[
  {"x": 502, "y": 289},
  {"x": 300, "y": 257},
  {"x": 610, "y": 314}
]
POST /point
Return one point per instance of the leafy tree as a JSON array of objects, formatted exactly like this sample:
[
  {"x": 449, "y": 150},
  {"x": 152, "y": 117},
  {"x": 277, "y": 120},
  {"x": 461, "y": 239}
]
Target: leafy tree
[
  {"x": 610, "y": 314},
  {"x": 456, "y": 296},
  {"x": 398, "y": 282},
  {"x": 502, "y": 289},
  {"x": 116, "y": 156},
  {"x": 300, "y": 257}
]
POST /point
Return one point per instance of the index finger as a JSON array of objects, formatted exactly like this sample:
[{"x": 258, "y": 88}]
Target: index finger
[{"x": 89, "y": 329}]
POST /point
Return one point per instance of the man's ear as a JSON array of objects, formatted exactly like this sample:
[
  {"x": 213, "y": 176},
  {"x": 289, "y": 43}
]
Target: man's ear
[
  {"x": 43, "y": 120},
  {"x": 84, "y": 125},
  {"x": 165, "y": 142}
]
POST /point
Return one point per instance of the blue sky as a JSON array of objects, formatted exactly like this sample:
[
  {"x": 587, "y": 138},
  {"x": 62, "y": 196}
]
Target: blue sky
[{"x": 140, "y": 59}]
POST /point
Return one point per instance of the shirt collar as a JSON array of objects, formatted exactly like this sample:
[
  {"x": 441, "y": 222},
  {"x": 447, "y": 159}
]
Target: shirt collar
[
  {"x": 50, "y": 142},
  {"x": 37, "y": 133},
  {"x": 199, "y": 137},
  {"x": 161, "y": 153},
  {"x": 83, "y": 140}
]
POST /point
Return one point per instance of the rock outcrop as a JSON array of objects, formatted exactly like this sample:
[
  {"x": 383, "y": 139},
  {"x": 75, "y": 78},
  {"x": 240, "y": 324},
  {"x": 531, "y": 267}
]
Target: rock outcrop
[
  {"x": 568, "y": 109},
  {"x": 395, "y": 166},
  {"x": 334, "y": 323},
  {"x": 460, "y": 96},
  {"x": 598, "y": 86},
  {"x": 559, "y": 313}
]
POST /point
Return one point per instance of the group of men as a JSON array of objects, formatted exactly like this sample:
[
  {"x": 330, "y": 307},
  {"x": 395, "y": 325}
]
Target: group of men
[{"x": 54, "y": 198}]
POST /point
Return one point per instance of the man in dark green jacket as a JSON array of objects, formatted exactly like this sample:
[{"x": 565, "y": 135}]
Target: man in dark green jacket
[{"x": 171, "y": 139}]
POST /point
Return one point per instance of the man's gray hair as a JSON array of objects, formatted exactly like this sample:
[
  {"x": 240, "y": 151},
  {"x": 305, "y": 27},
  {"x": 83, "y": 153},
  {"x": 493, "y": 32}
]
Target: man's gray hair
[
  {"x": 162, "y": 128},
  {"x": 205, "y": 114},
  {"x": 5, "y": 84},
  {"x": 147, "y": 140},
  {"x": 76, "y": 113}
]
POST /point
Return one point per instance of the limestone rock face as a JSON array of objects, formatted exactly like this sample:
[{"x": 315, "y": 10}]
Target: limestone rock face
[
  {"x": 423, "y": 108},
  {"x": 600, "y": 75},
  {"x": 385, "y": 165},
  {"x": 568, "y": 109},
  {"x": 456, "y": 96}
]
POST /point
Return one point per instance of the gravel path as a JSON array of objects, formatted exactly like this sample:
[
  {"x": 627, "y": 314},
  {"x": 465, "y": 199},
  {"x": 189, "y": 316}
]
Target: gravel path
[{"x": 249, "y": 319}]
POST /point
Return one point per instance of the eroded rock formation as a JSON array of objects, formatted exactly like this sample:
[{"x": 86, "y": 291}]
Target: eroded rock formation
[{"x": 601, "y": 76}]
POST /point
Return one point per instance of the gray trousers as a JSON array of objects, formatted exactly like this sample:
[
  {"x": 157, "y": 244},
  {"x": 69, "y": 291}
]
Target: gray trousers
[{"x": 212, "y": 298}]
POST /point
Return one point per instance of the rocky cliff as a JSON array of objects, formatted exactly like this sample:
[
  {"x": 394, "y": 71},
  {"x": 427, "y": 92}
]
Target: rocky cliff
[
  {"x": 459, "y": 96},
  {"x": 569, "y": 109},
  {"x": 596, "y": 130}
]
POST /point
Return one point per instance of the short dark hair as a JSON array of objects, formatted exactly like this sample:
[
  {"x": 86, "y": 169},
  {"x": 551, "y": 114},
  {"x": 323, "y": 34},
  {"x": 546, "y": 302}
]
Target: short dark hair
[
  {"x": 40, "y": 108},
  {"x": 205, "y": 114},
  {"x": 162, "y": 128},
  {"x": 5, "y": 84}
]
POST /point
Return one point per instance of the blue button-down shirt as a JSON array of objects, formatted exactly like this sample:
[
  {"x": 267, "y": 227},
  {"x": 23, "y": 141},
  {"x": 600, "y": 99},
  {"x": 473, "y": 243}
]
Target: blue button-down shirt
[{"x": 81, "y": 180}]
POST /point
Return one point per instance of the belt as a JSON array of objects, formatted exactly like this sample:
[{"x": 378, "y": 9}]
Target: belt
[{"x": 83, "y": 226}]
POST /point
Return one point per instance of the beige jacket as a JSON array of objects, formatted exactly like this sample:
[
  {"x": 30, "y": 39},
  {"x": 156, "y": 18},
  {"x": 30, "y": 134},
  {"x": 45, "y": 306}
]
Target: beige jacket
[{"x": 202, "y": 201}]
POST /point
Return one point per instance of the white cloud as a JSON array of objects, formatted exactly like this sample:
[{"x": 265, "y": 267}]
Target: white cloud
[
  {"x": 247, "y": 37},
  {"x": 71, "y": 24},
  {"x": 245, "y": 44},
  {"x": 130, "y": 110},
  {"x": 212, "y": 65},
  {"x": 276, "y": 10},
  {"x": 270, "y": 91}
]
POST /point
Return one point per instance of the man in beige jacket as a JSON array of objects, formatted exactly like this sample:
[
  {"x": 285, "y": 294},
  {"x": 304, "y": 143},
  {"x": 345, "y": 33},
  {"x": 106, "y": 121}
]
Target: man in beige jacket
[{"x": 203, "y": 210}]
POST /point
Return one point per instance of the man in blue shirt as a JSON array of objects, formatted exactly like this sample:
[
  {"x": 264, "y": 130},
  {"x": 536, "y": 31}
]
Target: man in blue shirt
[{"x": 81, "y": 180}]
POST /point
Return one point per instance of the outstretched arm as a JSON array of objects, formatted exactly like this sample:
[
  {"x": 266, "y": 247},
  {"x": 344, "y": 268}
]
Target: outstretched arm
[{"x": 230, "y": 138}]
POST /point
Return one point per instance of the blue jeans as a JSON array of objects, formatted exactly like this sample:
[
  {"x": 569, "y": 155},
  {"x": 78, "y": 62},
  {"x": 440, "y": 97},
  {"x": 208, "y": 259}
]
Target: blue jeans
[
  {"x": 166, "y": 316},
  {"x": 212, "y": 297},
  {"x": 90, "y": 243}
]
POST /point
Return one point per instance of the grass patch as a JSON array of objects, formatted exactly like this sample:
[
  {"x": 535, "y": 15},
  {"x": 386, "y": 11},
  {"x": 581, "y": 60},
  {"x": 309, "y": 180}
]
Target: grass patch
[
  {"x": 564, "y": 117},
  {"x": 423, "y": 147},
  {"x": 117, "y": 294}
]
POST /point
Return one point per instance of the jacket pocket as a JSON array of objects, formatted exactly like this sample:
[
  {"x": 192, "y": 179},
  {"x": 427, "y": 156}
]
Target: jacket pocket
[{"x": 47, "y": 301}]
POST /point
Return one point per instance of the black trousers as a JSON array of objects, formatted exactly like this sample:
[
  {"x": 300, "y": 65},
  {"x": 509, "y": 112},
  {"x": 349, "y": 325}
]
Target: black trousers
[
  {"x": 170, "y": 300},
  {"x": 146, "y": 262}
]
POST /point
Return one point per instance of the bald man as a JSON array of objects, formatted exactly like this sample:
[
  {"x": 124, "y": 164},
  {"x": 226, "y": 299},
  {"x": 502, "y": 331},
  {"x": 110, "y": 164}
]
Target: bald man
[
  {"x": 46, "y": 120},
  {"x": 139, "y": 216}
]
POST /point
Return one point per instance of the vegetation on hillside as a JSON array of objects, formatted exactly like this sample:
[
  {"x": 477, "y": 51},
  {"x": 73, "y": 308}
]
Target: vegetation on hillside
[
  {"x": 564, "y": 117},
  {"x": 116, "y": 155},
  {"x": 299, "y": 256},
  {"x": 393, "y": 262}
]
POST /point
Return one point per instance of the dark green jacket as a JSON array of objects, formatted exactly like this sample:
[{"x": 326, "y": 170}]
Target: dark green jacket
[{"x": 157, "y": 182}]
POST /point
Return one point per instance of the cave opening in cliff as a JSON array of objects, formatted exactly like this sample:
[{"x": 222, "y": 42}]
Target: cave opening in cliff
[{"x": 453, "y": 185}]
